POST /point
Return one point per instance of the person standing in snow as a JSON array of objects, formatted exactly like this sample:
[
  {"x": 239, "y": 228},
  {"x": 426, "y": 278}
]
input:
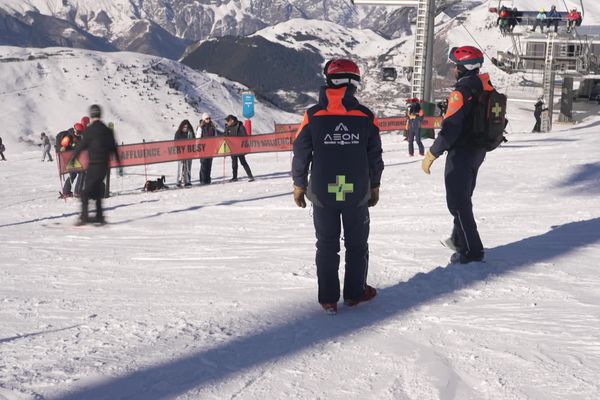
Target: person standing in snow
[
  {"x": 2, "y": 150},
  {"x": 65, "y": 141},
  {"x": 184, "y": 167},
  {"x": 46, "y": 146},
  {"x": 339, "y": 143},
  {"x": 206, "y": 129},
  {"x": 413, "y": 127},
  {"x": 78, "y": 137},
  {"x": 465, "y": 156},
  {"x": 233, "y": 127},
  {"x": 100, "y": 143},
  {"x": 537, "y": 114}
]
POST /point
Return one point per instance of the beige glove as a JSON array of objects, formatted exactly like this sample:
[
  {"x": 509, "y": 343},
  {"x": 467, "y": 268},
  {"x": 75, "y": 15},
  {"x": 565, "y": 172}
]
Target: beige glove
[
  {"x": 299, "y": 196},
  {"x": 427, "y": 161},
  {"x": 374, "y": 197}
]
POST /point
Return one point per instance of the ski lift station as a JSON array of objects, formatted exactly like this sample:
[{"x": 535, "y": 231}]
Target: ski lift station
[{"x": 569, "y": 50}]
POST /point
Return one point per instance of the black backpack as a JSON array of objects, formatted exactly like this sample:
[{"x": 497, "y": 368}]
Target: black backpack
[{"x": 489, "y": 119}]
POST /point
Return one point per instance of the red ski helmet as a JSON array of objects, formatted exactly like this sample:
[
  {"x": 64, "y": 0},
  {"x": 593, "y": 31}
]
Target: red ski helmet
[
  {"x": 340, "y": 72},
  {"x": 85, "y": 121},
  {"x": 79, "y": 128},
  {"x": 469, "y": 57}
]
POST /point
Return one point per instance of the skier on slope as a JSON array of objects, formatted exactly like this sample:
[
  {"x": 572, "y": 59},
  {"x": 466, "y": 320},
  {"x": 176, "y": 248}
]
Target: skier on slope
[
  {"x": 46, "y": 147},
  {"x": 100, "y": 142},
  {"x": 465, "y": 156},
  {"x": 339, "y": 142}
]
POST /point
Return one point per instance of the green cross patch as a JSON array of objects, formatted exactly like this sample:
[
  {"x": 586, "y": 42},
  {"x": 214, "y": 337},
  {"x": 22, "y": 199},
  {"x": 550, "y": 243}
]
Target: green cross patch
[
  {"x": 497, "y": 110},
  {"x": 340, "y": 188}
]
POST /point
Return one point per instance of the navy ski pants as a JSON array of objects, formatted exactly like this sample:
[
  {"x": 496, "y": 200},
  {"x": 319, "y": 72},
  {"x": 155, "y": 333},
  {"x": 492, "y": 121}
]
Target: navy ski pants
[
  {"x": 205, "y": 170},
  {"x": 415, "y": 134},
  {"x": 328, "y": 222},
  {"x": 462, "y": 165}
]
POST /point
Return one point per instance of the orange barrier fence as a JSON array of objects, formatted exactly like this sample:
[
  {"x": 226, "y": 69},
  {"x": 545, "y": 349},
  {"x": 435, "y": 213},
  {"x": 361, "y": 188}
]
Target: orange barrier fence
[
  {"x": 219, "y": 146},
  {"x": 386, "y": 124},
  {"x": 175, "y": 150}
]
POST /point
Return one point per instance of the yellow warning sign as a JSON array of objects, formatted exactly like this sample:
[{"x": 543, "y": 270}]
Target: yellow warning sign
[
  {"x": 75, "y": 164},
  {"x": 224, "y": 148}
]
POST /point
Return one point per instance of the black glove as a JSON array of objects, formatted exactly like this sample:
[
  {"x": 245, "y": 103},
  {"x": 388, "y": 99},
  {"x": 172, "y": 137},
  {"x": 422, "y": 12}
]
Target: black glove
[{"x": 374, "y": 197}]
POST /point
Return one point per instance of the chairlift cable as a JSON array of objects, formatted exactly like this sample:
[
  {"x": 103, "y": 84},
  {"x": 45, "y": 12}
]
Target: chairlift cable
[{"x": 478, "y": 44}]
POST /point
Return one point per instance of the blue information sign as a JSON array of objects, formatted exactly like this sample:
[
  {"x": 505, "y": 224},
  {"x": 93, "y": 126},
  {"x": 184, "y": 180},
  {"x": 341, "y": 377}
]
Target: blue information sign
[{"x": 248, "y": 100}]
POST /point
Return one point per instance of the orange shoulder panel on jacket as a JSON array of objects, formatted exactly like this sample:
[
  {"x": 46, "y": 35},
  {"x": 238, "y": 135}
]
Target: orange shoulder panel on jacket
[
  {"x": 487, "y": 83},
  {"x": 455, "y": 103},
  {"x": 335, "y": 105},
  {"x": 302, "y": 125}
]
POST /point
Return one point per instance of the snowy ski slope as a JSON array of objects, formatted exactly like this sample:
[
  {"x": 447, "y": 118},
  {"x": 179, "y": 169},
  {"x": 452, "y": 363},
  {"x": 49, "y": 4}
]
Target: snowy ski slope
[{"x": 210, "y": 292}]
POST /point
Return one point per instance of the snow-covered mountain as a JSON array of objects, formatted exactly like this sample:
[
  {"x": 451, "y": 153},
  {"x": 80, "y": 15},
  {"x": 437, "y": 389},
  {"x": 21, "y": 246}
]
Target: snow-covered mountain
[
  {"x": 166, "y": 27},
  {"x": 50, "y": 89},
  {"x": 293, "y": 53}
]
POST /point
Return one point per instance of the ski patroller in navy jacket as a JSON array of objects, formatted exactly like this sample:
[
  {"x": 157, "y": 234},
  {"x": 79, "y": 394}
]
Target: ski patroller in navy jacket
[
  {"x": 339, "y": 141},
  {"x": 458, "y": 118}
]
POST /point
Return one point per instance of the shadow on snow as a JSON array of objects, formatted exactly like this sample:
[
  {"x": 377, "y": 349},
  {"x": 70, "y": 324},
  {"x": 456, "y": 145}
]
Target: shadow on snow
[
  {"x": 584, "y": 180},
  {"x": 67, "y": 215},
  {"x": 172, "y": 378}
]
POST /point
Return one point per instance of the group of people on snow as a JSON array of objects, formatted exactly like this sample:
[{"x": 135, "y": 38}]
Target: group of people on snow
[
  {"x": 345, "y": 172},
  {"x": 68, "y": 140},
  {"x": 208, "y": 128},
  {"x": 339, "y": 145}
]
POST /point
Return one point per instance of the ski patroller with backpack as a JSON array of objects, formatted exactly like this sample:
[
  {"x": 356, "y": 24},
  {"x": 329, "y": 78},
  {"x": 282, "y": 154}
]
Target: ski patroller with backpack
[{"x": 489, "y": 118}]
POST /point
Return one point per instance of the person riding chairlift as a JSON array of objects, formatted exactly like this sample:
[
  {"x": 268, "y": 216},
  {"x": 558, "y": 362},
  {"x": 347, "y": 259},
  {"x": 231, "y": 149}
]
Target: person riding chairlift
[{"x": 573, "y": 19}]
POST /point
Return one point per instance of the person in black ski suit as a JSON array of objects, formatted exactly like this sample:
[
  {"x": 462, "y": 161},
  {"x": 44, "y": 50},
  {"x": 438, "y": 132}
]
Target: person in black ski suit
[
  {"x": 206, "y": 129},
  {"x": 99, "y": 141},
  {"x": 339, "y": 143},
  {"x": 2, "y": 149},
  {"x": 537, "y": 114},
  {"x": 443, "y": 106},
  {"x": 233, "y": 127},
  {"x": 184, "y": 167},
  {"x": 464, "y": 155}
]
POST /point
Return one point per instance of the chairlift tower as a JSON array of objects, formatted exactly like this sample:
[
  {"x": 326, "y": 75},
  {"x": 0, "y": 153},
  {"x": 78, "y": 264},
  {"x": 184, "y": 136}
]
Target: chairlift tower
[
  {"x": 548, "y": 82},
  {"x": 422, "y": 79}
]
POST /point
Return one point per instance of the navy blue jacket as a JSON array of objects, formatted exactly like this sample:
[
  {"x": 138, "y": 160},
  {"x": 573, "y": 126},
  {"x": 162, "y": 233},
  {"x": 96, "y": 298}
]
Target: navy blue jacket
[
  {"x": 458, "y": 118},
  {"x": 339, "y": 142}
]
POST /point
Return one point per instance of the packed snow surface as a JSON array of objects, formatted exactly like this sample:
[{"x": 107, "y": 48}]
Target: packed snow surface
[{"x": 210, "y": 292}]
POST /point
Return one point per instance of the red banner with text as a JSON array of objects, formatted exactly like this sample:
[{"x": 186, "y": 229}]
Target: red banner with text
[
  {"x": 175, "y": 150},
  {"x": 219, "y": 146}
]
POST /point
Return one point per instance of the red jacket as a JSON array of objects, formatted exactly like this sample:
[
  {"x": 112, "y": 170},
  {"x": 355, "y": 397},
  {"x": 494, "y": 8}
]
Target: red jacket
[{"x": 574, "y": 16}]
